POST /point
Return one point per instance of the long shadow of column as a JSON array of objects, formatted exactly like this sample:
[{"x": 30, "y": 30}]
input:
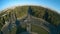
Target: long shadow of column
[{"x": 19, "y": 28}]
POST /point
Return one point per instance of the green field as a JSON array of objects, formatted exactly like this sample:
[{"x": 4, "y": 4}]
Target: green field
[{"x": 38, "y": 30}]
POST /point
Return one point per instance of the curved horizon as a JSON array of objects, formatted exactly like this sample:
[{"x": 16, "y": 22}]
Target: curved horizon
[{"x": 51, "y": 4}]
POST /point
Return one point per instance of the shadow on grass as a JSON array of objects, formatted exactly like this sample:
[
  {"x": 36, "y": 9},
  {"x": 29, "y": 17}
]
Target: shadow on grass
[{"x": 19, "y": 28}]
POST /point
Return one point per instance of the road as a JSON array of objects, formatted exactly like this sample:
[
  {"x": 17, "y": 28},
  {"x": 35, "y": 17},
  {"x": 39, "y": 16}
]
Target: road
[
  {"x": 42, "y": 23},
  {"x": 35, "y": 21}
]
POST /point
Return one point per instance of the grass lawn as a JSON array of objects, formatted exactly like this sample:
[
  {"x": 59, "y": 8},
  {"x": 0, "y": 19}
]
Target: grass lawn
[{"x": 39, "y": 30}]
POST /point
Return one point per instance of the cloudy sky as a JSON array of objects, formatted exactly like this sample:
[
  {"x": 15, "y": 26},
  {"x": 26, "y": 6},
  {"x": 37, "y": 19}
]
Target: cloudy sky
[{"x": 52, "y": 4}]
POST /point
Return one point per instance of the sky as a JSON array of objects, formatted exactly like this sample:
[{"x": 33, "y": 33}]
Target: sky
[{"x": 51, "y": 4}]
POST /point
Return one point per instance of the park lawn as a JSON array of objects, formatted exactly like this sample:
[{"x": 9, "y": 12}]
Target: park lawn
[{"x": 38, "y": 30}]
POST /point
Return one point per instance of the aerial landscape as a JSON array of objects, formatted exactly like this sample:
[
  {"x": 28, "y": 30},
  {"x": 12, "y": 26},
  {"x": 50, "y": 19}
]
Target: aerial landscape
[{"x": 29, "y": 19}]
